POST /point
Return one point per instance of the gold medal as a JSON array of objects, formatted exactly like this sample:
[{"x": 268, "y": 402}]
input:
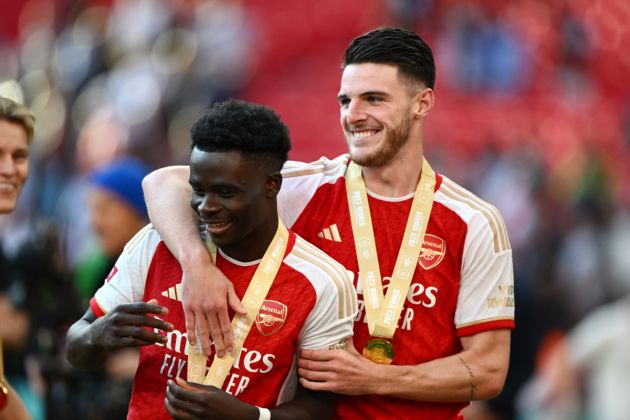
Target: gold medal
[{"x": 379, "y": 351}]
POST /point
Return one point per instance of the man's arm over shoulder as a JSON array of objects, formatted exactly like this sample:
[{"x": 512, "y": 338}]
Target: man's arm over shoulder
[{"x": 206, "y": 292}]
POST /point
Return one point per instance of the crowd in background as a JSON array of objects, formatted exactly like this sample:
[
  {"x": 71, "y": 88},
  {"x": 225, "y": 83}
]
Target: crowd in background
[{"x": 532, "y": 114}]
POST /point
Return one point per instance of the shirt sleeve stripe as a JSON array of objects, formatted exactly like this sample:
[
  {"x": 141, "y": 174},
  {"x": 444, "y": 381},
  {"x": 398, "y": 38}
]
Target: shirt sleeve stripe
[
  {"x": 96, "y": 308},
  {"x": 350, "y": 294},
  {"x": 335, "y": 273},
  {"x": 486, "y": 325}
]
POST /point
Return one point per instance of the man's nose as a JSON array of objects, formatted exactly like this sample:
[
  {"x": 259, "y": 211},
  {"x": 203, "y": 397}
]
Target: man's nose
[
  {"x": 355, "y": 112},
  {"x": 208, "y": 205},
  {"x": 7, "y": 165}
]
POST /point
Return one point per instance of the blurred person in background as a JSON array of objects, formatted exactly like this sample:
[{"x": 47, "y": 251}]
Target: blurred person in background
[
  {"x": 16, "y": 133},
  {"x": 116, "y": 212}
]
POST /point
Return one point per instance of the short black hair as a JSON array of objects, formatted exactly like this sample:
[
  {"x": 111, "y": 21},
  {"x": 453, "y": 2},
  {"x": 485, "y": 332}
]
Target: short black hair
[
  {"x": 398, "y": 47},
  {"x": 252, "y": 129}
]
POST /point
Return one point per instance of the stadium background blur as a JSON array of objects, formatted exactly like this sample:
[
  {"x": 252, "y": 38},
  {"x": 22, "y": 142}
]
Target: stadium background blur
[{"x": 532, "y": 114}]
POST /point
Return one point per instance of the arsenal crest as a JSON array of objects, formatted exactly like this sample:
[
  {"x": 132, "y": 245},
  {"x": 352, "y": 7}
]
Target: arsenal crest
[
  {"x": 432, "y": 253},
  {"x": 271, "y": 317}
]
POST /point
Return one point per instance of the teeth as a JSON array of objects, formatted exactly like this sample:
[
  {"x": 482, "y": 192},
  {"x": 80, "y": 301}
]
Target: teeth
[
  {"x": 6, "y": 186},
  {"x": 217, "y": 224},
  {"x": 364, "y": 134}
]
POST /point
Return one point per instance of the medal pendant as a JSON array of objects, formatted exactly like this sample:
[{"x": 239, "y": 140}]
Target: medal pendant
[{"x": 379, "y": 351}]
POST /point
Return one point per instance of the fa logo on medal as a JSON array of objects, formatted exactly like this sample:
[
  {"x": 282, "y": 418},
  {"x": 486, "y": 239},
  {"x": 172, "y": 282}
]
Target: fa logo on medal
[{"x": 271, "y": 317}]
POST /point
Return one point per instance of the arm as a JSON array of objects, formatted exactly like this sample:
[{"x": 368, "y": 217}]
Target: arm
[
  {"x": 477, "y": 372},
  {"x": 90, "y": 340},
  {"x": 14, "y": 408},
  {"x": 206, "y": 291},
  {"x": 186, "y": 400}
]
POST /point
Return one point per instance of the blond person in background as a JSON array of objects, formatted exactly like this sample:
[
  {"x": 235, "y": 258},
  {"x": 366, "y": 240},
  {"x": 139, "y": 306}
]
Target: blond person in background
[{"x": 16, "y": 133}]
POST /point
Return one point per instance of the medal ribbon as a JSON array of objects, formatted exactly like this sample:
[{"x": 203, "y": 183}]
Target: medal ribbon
[
  {"x": 383, "y": 312},
  {"x": 241, "y": 324}
]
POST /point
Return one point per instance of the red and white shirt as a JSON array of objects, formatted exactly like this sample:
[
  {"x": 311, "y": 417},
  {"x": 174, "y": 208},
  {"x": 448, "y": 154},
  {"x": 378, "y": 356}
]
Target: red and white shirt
[
  {"x": 463, "y": 283},
  {"x": 311, "y": 304}
]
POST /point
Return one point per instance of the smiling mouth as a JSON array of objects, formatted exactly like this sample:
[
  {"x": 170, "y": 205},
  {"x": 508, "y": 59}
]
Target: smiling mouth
[
  {"x": 217, "y": 228},
  {"x": 363, "y": 134},
  {"x": 7, "y": 187}
]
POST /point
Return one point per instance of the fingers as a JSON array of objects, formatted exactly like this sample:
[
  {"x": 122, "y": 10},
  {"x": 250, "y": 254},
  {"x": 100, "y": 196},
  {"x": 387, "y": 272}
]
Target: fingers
[
  {"x": 150, "y": 307},
  {"x": 141, "y": 321},
  {"x": 318, "y": 355},
  {"x": 226, "y": 331},
  {"x": 178, "y": 408},
  {"x": 315, "y": 375},
  {"x": 127, "y": 341},
  {"x": 315, "y": 386},
  {"x": 234, "y": 301},
  {"x": 190, "y": 392},
  {"x": 189, "y": 315},
  {"x": 137, "y": 336},
  {"x": 215, "y": 333}
]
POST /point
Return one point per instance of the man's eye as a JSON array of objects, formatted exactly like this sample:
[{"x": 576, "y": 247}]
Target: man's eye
[
  {"x": 226, "y": 194},
  {"x": 373, "y": 99},
  {"x": 344, "y": 102},
  {"x": 197, "y": 190}
]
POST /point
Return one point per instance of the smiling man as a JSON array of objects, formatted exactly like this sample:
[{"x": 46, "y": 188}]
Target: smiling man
[
  {"x": 436, "y": 282},
  {"x": 16, "y": 129},
  {"x": 16, "y": 132},
  {"x": 296, "y": 297}
]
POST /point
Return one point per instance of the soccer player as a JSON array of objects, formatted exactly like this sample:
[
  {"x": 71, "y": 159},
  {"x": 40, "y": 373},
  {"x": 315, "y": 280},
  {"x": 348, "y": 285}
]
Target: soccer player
[
  {"x": 16, "y": 133},
  {"x": 306, "y": 302},
  {"x": 435, "y": 263}
]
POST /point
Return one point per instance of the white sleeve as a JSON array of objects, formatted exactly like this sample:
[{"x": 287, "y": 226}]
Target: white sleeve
[
  {"x": 300, "y": 182},
  {"x": 330, "y": 321},
  {"x": 486, "y": 292},
  {"x": 125, "y": 284}
]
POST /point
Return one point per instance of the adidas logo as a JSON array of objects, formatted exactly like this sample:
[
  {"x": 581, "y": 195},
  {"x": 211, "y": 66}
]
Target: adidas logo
[
  {"x": 174, "y": 292},
  {"x": 331, "y": 233}
]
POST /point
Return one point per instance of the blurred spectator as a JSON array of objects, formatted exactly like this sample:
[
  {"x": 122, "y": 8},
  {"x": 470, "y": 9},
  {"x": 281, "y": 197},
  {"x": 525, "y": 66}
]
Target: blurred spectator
[
  {"x": 16, "y": 133},
  {"x": 115, "y": 205},
  {"x": 116, "y": 211}
]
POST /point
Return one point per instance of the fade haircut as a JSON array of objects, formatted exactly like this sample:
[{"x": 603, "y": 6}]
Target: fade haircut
[
  {"x": 254, "y": 130},
  {"x": 398, "y": 47},
  {"x": 18, "y": 114}
]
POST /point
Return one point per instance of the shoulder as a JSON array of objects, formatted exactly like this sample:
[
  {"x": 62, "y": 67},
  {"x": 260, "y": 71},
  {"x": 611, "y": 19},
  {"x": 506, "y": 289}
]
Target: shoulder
[
  {"x": 147, "y": 239},
  {"x": 328, "y": 277},
  {"x": 479, "y": 215},
  {"x": 323, "y": 167}
]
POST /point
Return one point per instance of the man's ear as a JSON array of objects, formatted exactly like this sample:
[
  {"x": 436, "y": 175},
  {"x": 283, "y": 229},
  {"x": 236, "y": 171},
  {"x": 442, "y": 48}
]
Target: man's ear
[
  {"x": 424, "y": 101},
  {"x": 274, "y": 182}
]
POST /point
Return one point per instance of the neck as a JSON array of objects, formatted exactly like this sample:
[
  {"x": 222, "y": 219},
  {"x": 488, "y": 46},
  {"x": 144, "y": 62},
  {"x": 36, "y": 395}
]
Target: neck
[
  {"x": 398, "y": 177},
  {"x": 254, "y": 245}
]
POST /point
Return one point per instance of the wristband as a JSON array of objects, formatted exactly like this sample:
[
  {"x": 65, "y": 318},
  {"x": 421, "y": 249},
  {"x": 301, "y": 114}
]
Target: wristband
[{"x": 264, "y": 413}]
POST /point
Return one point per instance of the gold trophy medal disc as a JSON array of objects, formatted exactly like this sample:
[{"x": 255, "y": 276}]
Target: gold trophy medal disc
[{"x": 379, "y": 351}]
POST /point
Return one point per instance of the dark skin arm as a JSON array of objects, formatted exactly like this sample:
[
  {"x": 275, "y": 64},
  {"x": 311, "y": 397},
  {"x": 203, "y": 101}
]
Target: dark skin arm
[
  {"x": 90, "y": 340},
  {"x": 186, "y": 401}
]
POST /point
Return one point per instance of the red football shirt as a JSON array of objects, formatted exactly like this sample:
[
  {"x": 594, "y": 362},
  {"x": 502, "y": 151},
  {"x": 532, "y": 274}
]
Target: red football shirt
[
  {"x": 463, "y": 283},
  {"x": 311, "y": 304}
]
